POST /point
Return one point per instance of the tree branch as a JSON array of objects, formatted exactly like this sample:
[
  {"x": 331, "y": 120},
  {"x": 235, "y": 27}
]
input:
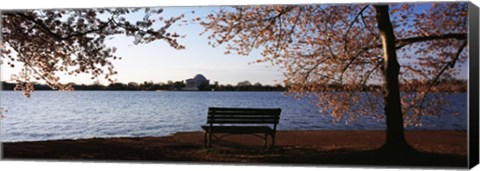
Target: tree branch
[
  {"x": 369, "y": 73},
  {"x": 450, "y": 64},
  {"x": 349, "y": 63},
  {"x": 403, "y": 42},
  {"x": 407, "y": 41},
  {"x": 351, "y": 25},
  {"x": 29, "y": 65},
  {"x": 47, "y": 30},
  {"x": 366, "y": 26}
]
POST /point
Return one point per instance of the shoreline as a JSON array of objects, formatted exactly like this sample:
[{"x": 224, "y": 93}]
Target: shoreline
[
  {"x": 349, "y": 147},
  {"x": 181, "y": 132}
]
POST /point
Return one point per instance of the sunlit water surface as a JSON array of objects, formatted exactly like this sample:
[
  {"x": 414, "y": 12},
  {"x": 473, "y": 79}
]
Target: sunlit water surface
[{"x": 50, "y": 115}]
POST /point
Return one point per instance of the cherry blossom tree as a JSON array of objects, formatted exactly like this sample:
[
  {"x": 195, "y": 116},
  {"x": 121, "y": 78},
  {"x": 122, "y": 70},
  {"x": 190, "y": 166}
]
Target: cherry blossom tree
[
  {"x": 354, "y": 46},
  {"x": 72, "y": 41}
]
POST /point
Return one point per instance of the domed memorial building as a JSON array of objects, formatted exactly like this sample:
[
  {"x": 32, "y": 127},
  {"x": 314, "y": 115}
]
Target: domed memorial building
[{"x": 194, "y": 84}]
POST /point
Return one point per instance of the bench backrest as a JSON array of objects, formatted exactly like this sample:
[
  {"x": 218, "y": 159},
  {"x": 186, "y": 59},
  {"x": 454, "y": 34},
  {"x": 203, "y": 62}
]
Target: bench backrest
[{"x": 243, "y": 116}]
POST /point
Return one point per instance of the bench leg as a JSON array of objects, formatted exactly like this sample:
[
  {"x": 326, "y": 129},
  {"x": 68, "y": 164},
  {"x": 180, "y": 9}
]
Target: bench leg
[
  {"x": 209, "y": 140},
  {"x": 265, "y": 140},
  {"x": 205, "y": 140},
  {"x": 273, "y": 140}
]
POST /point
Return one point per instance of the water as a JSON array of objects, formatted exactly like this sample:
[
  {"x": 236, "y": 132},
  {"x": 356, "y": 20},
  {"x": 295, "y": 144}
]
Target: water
[{"x": 49, "y": 115}]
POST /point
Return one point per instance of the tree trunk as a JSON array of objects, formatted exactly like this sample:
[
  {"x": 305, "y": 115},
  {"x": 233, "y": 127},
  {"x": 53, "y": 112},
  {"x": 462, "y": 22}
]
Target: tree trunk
[{"x": 395, "y": 138}]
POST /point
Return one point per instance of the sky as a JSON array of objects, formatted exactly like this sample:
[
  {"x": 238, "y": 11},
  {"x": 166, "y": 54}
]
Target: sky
[{"x": 159, "y": 63}]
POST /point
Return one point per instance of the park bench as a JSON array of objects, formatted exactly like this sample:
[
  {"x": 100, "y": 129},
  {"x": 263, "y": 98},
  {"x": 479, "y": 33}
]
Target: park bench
[{"x": 229, "y": 121}]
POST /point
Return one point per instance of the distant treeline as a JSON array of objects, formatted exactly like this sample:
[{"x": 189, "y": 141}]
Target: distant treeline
[
  {"x": 441, "y": 86},
  {"x": 169, "y": 86}
]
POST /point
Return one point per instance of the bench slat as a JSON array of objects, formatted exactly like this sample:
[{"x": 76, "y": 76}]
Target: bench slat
[
  {"x": 242, "y": 117},
  {"x": 243, "y": 111},
  {"x": 238, "y": 129},
  {"x": 243, "y": 122}
]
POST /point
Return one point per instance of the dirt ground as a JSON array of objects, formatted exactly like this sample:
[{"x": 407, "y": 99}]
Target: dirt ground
[{"x": 442, "y": 149}]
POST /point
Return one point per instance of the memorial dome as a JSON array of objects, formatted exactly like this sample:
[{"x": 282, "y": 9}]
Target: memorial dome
[{"x": 199, "y": 77}]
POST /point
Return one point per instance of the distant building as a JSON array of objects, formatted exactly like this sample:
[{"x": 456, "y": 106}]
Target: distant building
[{"x": 194, "y": 84}]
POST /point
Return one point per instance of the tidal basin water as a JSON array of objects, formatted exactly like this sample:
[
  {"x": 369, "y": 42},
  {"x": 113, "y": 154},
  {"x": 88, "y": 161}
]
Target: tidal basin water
[{"x": 50, "y": 115}]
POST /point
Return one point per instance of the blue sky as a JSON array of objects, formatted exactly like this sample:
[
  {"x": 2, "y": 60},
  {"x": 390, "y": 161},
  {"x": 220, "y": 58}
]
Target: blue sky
[{"x": 158, "y": 62}]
